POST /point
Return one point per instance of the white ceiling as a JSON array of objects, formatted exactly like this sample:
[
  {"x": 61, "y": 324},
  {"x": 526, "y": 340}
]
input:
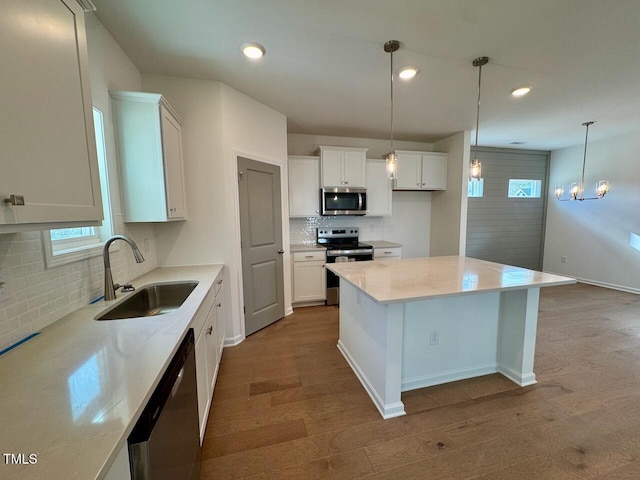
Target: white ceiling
[{"x": 326, "y": 69}]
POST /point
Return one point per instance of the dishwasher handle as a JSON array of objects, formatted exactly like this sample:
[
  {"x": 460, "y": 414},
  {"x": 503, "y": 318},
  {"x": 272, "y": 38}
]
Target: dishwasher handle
[{"x": 176, "y": 385}]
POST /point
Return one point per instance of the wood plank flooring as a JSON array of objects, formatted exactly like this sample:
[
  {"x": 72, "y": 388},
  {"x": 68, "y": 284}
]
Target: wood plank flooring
[{"x": 287, "y": 405}]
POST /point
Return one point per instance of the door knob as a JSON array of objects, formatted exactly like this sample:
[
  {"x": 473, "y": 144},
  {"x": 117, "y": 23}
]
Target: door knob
[{"x": 280, "y": 251}]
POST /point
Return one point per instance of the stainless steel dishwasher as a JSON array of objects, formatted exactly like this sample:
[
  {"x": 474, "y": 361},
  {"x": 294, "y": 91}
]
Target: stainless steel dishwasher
[{"x": 165, "y": 443}]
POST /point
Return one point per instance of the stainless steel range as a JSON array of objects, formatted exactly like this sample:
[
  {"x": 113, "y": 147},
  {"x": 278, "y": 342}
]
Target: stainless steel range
[{"x": 342, "y": 245}]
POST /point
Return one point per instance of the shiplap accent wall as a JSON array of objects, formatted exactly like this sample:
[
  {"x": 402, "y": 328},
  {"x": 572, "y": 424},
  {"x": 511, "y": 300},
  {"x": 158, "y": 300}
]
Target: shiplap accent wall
[{"x": 502, "y": 229}]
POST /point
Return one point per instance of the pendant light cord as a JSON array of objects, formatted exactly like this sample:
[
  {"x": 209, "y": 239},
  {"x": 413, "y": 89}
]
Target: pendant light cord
[
  {"x": 478, "y": 110},
  {"x": 584, "y": 159},
  {"x": 391, "y": 71}
]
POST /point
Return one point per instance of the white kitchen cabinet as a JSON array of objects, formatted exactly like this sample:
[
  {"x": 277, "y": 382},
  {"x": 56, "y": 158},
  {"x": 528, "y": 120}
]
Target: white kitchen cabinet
[
  {"x": 389, "y": 252},
  {"x": 421, "y": 171},
  {"x": 309, "y": 277},
  {"x": 378, "y": 188},
  {"x": 208, "y": 326},
  {"x": 149, "y": 137},
  {"x": 48, "y": 155},
  {"x": 304, "y": 186},
  {"x": 343, "y": 166}
]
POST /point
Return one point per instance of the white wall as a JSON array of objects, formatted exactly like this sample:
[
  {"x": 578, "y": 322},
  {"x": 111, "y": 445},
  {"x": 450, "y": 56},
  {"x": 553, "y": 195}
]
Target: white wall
[
  {"x": 40, "y": 296},
  {"x": 410, "y": 221},
  {"x": 594, "y": 235},
  {"x": 449, "y": 207},
  {"x": 220, "y": 123}
]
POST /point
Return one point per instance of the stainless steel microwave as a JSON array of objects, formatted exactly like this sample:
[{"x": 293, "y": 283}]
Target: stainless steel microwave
[{"x": 343, "y": 201}]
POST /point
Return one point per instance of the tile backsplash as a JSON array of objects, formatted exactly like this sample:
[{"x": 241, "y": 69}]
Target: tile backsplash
[
  {"x": 38, "y": 296},
  {"x": 303, "y": 230}
]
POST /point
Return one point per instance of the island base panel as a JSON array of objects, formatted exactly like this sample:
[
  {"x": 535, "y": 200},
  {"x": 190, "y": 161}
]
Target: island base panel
[{"x": 371, "y": 342}]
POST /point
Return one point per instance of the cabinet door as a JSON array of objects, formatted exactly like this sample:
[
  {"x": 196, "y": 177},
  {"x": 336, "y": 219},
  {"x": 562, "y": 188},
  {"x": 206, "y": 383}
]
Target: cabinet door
[
  {"x": 173, "y": 168},
  {"x": 304, "y": 186},
  {"x": 309, "y": 281},
  {"x": 202, "y": 375},
  {"x": 378, "y": 188},
  {"x": 220, "y": 324},
  {"x": 48, "y": 152},
  {"x": 332, "y": 168},
  {"x": 211, "y": 334},
  {"x": 434, "y": 171},
  {"x": 354, "y": 169},
  {"x": 409, "y": 174}
]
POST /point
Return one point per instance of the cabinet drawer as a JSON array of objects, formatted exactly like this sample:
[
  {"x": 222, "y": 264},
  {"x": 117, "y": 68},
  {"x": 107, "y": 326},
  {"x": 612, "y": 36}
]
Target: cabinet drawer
[
  {"x": 387, "y": 252},
  {"x": 309, "y": 256}
]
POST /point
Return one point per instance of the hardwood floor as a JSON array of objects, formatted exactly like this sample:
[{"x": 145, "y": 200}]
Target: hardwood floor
[{"x": 288, "y": 406}]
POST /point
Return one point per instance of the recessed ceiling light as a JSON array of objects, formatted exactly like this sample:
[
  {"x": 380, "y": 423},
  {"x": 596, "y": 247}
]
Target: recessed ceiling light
[
  {"x": 252, "y": 50},
  {"x": 408, "y": 73},
  {"x": 520, "y": 91}
]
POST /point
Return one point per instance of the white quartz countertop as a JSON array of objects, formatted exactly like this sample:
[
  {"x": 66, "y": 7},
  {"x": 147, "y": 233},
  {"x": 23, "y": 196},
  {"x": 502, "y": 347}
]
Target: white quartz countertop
[
  {"x": 299, "y": 247},
  {"x": 72, "y": 394},
  {"x": 382, "y": 244},
  {"x": 411, "y": 279}
]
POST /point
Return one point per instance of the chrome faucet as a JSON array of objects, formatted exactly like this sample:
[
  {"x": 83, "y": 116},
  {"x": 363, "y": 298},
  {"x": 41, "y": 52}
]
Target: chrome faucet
[{"x": 109, "y": 287}]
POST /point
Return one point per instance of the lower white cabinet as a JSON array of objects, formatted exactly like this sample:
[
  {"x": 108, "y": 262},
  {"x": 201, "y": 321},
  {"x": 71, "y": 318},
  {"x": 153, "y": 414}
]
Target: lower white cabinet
[
  {"x": 309, "y": 277},
  {"x": 392, "y": 252},
  {"x": 209, "y": 342}
]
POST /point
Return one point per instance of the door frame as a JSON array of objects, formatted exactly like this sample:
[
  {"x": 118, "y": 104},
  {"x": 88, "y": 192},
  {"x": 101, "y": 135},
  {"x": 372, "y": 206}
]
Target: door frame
[{"x": 237, "y": 251}]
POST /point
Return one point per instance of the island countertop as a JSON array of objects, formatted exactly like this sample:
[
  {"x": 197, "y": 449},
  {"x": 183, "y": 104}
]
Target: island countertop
[{"x": 410, "y": 279}]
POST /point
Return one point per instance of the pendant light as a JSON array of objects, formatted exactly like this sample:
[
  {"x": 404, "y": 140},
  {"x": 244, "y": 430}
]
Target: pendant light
[
  {"x": 576, "y": 190},
  {"x": 392, "y": 162},
  {"x": 475, "y": 167}
]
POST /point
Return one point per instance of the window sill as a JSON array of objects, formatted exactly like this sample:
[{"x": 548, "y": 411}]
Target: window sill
[{"x": 71, "y": 255}]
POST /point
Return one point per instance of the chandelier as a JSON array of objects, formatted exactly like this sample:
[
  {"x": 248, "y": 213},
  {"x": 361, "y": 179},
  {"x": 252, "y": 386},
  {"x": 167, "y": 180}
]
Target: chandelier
[{"x": 576, "y": 190}]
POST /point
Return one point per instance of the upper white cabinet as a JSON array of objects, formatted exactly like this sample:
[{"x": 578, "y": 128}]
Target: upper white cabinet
[
  {"x": 378, "y": 188},
  {"x": 49, "y": 168},
  {"x": 304, "y": 186},
  {"x": 421, "y": 171},
  {"x": 343, "y": 166},
  {"x": 149, "y": 138}
]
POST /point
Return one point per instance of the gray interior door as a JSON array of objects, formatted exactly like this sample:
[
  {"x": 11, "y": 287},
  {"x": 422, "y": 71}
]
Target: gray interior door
[
  {"x": 502, "y": 229},
  {"x": 261, "y": 243}
]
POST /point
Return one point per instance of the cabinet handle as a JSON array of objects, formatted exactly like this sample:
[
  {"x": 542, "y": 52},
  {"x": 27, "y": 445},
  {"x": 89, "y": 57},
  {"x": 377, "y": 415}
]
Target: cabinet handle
[
  {"x": 219, "y": 305},
  {"x": 219, "y": 282},
  {"x": 210, "y": 330},
  {"x": 15, "y": 200},
  {"x": 346, "y": 183},
  {"x": 423, "y": 184},
  {"x": 418, "y": 184},
  {"x": 387, "y": 253},
  {"x": 308, "y": 256}
]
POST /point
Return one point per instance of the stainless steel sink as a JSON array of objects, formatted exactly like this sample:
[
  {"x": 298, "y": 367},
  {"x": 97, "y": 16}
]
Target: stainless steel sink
[{"x": 155, "y": 299}]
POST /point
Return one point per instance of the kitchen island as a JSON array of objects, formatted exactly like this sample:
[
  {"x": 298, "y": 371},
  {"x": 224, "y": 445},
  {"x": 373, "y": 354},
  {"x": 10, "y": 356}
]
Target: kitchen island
[{"x": 413, "y": 323}]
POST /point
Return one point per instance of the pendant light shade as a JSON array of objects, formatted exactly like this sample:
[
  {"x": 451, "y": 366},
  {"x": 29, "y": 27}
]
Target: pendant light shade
[
  {"x": 576, "y": 189},
  {"x": 392, "y": 163},
  {"x": 475, "y": 167}
]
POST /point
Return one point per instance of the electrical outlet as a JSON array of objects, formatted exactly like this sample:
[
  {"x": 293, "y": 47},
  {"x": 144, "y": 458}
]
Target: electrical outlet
[
  {"x": 563, "y": 259},
  {"x": 4, "y": 285},
  {"x": 434, "y": 337}
]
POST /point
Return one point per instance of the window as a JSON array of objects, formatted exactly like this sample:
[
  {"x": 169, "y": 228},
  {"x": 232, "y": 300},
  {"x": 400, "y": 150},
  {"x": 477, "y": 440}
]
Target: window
[
  {"x": 475, "y": 188},
  {"x": 519, "y": 188},
  {"x": 68, "y": 245}
]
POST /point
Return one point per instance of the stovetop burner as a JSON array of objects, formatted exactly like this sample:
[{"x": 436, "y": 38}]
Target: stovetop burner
[{"x": 341, "y": 239}]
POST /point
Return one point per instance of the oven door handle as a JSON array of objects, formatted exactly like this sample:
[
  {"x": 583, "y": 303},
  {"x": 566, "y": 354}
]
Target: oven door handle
[{"x": 342, "y": 253}]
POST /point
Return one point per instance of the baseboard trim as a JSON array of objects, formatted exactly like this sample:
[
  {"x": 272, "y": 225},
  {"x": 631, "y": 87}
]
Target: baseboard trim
[
  {"x": 517, "y": 378},
  {"x": 233, "y": 341},
  {"x": 597, "y": 283},
  {"x": 387, "y": 411},
  {"x": 447, "y": 377}
]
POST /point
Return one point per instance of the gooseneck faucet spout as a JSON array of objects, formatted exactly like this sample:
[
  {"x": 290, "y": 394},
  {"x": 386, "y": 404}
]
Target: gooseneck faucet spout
[{"x": 109, "y": 287}]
